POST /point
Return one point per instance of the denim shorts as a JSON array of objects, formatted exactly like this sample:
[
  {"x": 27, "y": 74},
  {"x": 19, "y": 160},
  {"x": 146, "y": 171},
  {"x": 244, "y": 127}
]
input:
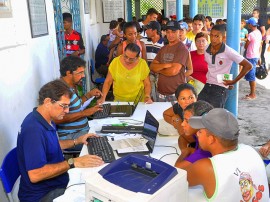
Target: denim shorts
[{"x": 250, "y": 76}]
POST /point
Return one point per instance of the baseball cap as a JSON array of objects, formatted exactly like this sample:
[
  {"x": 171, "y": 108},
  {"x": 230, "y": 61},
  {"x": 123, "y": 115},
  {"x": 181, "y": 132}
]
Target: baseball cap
[
  {"x": 172, "y": 25},
  {"x": 219, "y": 121},
  {"x": 183, "y": 25},
  {"x": 253, "y": 21},
  {"x": 153, "y": 25}
]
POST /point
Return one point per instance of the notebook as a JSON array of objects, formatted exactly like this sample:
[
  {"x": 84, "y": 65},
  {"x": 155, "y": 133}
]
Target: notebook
[
  {"x": 119, "y": 110},
  {"x": 150, "y": 131}
]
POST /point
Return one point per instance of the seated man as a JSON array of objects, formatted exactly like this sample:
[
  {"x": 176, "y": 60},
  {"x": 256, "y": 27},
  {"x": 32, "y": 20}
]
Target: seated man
[
  {"x": 75, "y": 123},
  {"x": 41, "y": 163},
  {"x": 235, "y": 172},
  {"x": 102, "y": 56}
]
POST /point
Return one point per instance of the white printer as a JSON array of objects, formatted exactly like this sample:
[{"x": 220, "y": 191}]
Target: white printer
[{"x": 137, "y": 178}]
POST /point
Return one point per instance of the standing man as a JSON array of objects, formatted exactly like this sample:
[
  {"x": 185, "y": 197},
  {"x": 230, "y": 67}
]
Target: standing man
[
  {"x": 73, "y": 39},
  {"x": 252, "y": 46},
  {"x": 171, "y": 63},
  {"x": 197, "y": 26},
  {"x": 183, "y": 35},
  {"x": 261, "y": 28},
  {"x": 235, "y": 172},
  {"x": 151, "y": 15},
  {"x": 219, "y": 58},
  {"x": 75, "y": 123},
  {"x": 153, "y": 43},
  {"x": 41, "y": 163}
]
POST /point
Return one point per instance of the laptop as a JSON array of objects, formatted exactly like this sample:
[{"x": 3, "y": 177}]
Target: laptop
[
  {"x": 119, "y": 110},
  {"x": 150, "y": 131}
]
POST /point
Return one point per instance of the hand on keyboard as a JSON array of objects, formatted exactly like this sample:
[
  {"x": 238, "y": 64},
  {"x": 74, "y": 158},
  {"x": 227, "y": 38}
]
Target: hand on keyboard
[
  {"x": 92, "y": 110},
  {"x": 88, "y": 161},
  {"x": 83, "y": 139}
]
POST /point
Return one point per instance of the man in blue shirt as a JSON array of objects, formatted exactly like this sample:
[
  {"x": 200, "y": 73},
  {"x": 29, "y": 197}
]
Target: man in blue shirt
[
  {"x": 42, "y": 165},
  {"x": 102, "y": 56}
]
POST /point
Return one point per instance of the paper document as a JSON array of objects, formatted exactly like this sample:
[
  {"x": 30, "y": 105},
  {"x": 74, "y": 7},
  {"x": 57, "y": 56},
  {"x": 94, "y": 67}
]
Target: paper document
[
  {"x": 86, "y": 103},
  {"x": 127, "y": 143},
  {"x": 166, "y": 128}
]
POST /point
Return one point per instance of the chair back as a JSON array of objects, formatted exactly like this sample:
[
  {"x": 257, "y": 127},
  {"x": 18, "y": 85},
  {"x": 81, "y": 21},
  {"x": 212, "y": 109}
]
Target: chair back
[{"x": 9, "y": 171}]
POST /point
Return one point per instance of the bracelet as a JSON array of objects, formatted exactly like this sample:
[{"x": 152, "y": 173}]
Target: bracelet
[
  {"x": 74, "y": 142},
  {"x": 87, "y": 98},
  {"x": 146, "y": 96}
]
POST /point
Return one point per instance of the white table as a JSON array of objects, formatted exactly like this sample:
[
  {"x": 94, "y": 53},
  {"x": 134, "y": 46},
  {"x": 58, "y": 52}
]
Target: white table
[{"x": 77, "y": 193}]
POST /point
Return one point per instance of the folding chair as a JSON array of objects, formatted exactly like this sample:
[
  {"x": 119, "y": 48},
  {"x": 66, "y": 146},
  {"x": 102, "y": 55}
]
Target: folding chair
[
  {"x": 9, "y": 172},
  {"x": 97, "y": 81}
]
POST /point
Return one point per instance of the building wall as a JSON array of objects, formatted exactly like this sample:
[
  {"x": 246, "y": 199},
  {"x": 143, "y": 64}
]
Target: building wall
[{"x": 27, "y": 63}]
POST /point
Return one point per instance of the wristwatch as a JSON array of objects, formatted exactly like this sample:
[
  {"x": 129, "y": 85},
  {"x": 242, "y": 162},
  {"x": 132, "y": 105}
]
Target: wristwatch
[{"x": 71, "y": 163}]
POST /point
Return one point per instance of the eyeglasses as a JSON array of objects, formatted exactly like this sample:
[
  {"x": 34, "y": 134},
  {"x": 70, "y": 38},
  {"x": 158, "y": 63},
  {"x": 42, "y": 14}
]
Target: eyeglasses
[
  {"x": 200, "y": 41},
  {"x": 64, "y": 106},
  {"x": 183, "y": 99},
  {"x": 130, "y": 59},
  {"x": 79, "y": 73}
]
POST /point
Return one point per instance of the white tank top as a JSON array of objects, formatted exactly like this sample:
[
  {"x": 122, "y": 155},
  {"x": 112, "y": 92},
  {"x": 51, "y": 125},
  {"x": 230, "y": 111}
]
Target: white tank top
[{"x": 240, "y": 176}]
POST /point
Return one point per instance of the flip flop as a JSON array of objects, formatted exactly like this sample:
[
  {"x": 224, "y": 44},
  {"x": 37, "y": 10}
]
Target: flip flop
[{"x": 247, "y": 97}]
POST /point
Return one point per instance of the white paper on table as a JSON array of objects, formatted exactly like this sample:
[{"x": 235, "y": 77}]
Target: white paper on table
[{"x": 128, "y": 142}]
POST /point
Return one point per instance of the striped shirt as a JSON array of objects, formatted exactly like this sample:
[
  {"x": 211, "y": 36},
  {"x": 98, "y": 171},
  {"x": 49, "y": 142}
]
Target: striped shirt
[
  {"x": 78, "y": 125},
  {"x": 152, "y": 48}
]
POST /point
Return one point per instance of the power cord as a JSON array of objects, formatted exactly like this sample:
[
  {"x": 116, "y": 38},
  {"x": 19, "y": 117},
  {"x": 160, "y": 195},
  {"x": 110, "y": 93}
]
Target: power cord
[
  {"x": 176, "y": 152},
  {"x": 75, "y": 184}
]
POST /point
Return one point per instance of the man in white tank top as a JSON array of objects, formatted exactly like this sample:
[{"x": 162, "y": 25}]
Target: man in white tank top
[{"x": 236, "y": 172}]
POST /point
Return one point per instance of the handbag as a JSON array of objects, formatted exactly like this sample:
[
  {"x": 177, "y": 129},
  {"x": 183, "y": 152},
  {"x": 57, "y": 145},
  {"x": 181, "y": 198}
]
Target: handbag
[{"x": 261, "y": 72}]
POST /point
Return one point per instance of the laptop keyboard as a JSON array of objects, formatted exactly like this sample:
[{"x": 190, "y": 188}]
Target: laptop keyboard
[
  {"x": 104, "y": 113},
  {"x": 100, "y": 146}
]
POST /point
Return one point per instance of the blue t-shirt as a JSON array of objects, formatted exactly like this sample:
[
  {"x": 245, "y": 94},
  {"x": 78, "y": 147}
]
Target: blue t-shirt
[
  {"x": 198, "y": 153},
  {"x": 38, "y": 145},
  {"x": 101, "y": 55}
]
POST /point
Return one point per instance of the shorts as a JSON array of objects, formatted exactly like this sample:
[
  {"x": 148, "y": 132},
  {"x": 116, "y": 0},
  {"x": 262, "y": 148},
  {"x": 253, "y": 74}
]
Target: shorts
[{"x": 250, "y": 76}]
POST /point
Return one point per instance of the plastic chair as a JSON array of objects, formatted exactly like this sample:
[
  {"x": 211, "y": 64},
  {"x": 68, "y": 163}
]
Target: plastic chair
[
  {"x": 9, "y": 172},
  {"x": 97, "y": 81}
]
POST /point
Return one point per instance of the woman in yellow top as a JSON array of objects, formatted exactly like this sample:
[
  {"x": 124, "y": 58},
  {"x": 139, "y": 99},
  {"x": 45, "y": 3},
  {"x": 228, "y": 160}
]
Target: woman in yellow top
[{"x": 128, "y": 73}]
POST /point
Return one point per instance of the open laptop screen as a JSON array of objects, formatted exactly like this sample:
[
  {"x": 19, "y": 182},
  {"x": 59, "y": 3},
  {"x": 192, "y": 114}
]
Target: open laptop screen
[{"x": 150, "y": 130}]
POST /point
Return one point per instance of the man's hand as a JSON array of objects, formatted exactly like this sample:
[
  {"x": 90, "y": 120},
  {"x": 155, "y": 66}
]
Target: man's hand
[
  {"x": 83, "y": 139},
  {"x": 101, "y": 100},
  {"x": 265, "y": 149},
  {"x": 90, "y": 111},
  {"x": 88, "y": 161},
  {"x": 94, "y": 92}
]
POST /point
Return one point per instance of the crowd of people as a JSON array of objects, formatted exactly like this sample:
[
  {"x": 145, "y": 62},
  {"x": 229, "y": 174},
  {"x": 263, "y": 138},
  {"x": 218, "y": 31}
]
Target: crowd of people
[{"x": 177, "y": 62}]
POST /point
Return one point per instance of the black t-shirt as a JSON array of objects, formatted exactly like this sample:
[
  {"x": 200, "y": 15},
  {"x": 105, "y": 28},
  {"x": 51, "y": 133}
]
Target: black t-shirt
[{"x": 178, "y": 110}]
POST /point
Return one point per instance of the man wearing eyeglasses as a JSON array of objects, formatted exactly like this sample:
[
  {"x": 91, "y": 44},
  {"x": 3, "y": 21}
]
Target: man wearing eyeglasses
[
  {"x": 75, "y": 123},
  {"x": 41, "y": 163}
]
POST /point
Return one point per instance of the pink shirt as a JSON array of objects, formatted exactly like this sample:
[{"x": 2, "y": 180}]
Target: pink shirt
[{"x": 253, "y": 49}]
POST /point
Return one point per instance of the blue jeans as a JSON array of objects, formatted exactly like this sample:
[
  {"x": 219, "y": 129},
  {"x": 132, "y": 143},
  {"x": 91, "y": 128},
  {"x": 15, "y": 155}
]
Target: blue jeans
[{"x": 214, "y": 94}]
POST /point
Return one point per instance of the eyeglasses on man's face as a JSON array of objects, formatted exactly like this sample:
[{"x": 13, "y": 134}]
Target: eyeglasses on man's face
[
  {"x": 79, "y": 73},
  {"x": 64, "y": 106}
]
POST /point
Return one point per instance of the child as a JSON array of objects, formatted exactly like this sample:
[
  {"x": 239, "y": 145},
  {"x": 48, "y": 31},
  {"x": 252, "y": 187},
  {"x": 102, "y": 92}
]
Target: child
[
  {"x": 243, "y": 36},
  {"x": 113, "y": 32}
]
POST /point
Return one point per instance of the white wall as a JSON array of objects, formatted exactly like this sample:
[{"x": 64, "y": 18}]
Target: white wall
[{"x": 27, "y": 63}]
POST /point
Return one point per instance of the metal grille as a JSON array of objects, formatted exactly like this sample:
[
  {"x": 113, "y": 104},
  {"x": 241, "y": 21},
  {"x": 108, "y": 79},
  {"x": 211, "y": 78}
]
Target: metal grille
[
  {"x": 75, "y": 11},
  {"x": 146, "y": 4},
  {"x": 248, "y": 6},
  {"x": 59, "y": 27}
]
